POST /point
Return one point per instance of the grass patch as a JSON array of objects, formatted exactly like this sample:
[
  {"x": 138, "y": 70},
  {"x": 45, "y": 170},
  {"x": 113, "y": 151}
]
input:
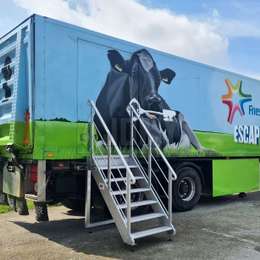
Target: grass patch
[{"x": 6, "y": 208}]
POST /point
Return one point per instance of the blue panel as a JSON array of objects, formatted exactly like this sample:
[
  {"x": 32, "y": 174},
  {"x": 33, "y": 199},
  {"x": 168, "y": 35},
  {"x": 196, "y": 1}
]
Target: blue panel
[{"x": 71, "y": 67}]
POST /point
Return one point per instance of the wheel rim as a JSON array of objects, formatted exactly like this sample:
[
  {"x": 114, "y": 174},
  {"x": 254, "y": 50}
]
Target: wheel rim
[{"x": 186, "y": 189}]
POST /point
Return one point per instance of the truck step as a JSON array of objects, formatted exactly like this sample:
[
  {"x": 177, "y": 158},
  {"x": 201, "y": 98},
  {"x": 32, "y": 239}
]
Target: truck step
[
  {"x": 31, "y": 197},
  {"x": 146, "y": 217},
  {"x": 139, "y": 204},
  {"x": 124, "y": 179},
  {"x": 150, "y": 232},
  {"x": 122, "y": 192},
  {"x": 116, "y": 162}
]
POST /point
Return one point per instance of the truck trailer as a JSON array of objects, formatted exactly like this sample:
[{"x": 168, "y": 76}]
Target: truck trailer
[{"x": 126, "y": 132}]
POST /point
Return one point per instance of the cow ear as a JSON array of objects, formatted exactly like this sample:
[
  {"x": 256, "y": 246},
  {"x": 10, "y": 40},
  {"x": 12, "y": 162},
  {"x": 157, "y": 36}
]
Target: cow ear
[
  {"x": 116, "y": 60},
  {"x": 167, "y": 75}
]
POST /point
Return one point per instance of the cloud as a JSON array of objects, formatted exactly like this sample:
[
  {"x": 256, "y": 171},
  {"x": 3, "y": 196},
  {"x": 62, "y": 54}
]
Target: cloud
[
  {"x": 132, "y": 21},
  {"x": 233, "y": 27}
]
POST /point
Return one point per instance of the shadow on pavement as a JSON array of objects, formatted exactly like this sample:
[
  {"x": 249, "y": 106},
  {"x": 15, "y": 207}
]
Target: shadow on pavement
[{"x": 70, "y": 232}]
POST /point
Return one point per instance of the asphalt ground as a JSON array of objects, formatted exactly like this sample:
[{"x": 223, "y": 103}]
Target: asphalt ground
[{"x": 221, "y": 228}]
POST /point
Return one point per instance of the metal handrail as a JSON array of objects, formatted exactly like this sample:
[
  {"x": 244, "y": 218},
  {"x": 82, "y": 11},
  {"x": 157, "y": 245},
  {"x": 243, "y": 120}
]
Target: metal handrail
[
  {"x": 153, "y": 141},
  {"x": 112, "y": 175},
  {"x": 132, "y": 178}
]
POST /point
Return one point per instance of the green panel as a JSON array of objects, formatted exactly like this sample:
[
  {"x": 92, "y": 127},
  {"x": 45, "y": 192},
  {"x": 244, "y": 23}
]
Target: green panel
[
  {"x": 60, "y": 140},
  {"x": 14, "y": 134},
  {"x": 5, "y": 138},
  {"x": 69, "y": 140},
  {"x": 235, "y": 176},
  {"x": 218, "y": 145}
]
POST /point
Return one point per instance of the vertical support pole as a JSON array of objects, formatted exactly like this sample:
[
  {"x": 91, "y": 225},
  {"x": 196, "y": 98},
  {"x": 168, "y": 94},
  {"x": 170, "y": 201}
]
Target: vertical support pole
[
  {"x": 92, "y": 131},
  {"x": 150, "y": 162},
  {"x": 128, "y": 199},
  {"x": 88, "y": 200},
  {"x": 170, "y": 179},
  {"x": 132, "y": 133},
  {"x": 109, "y": 162},
  {"x": 41, "y": 177}
]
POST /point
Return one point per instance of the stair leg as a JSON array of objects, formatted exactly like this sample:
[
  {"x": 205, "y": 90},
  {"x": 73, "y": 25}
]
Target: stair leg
[
  {"x": 88, "y": 224},
  {"x": 171, "y": 234},
  {"x": 88, "y": 199}
]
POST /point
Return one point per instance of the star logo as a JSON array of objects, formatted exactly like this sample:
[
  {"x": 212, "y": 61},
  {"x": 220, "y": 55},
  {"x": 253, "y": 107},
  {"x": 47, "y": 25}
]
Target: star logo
[{"x": 235, "y": 99}]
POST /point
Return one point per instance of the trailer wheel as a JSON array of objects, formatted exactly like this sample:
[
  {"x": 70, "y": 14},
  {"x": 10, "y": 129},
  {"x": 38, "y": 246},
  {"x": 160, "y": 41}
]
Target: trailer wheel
[
  {"x": 186, "y": 189},
  {"x": 22, "y": 208},
  {"x": 41, "y": 211}
]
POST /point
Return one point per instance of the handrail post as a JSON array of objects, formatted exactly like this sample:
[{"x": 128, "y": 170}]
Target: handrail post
[
  {"x": 150, "y": 162},
  {"x": 132, "y": 133},
  {"x": 91, "y": 130},
  {"x": 128, "y": 201},
  {"x": 170, "y": 196},
  {"x": 109, "y": 161}
]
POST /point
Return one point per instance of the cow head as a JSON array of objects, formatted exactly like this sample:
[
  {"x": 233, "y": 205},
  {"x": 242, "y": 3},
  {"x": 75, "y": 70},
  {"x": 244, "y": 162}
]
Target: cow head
[{"x": 144, "y": 78}]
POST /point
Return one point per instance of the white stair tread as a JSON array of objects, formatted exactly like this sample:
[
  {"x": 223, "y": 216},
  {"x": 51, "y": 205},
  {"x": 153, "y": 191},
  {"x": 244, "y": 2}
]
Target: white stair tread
[
  {"x": 122, "y": 166},
  {"x": 121, "y": 192},
  {"x": 31, "y": 197},
  {"x": 146, "y": 217},
  {"x": 124, "y": 179},
  {"x": 150, "y": 232},
  {"x": 139, "y": 203},
  {"x": 116, "y": 162}
]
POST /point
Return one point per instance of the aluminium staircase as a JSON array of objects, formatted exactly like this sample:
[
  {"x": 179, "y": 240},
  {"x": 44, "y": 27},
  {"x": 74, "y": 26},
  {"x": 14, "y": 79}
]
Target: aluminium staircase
[{"x": 126, "y": 182}]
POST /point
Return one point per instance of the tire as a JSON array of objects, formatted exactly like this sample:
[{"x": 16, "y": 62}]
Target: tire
[
  {"x": 22, "y": 208},
  {"x": 186, "y": 189},
  {"x": 74, "y": 204},
  {"x": 41, "y": 211}
]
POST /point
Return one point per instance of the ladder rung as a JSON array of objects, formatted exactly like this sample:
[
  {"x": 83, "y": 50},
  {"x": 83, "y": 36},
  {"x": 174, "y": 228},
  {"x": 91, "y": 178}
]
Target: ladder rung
[
  {"x": 124, "y": 179},
  {"x": 116, "y": 162},
  {"x": 150, "y": 232},
  {"x": 146, "y": 217},
  {"x": 114, "y": 167},
  {"x": 12, "y": 64},
  {"x": 139, "y": 204},
  {"x": 6, "y": 101},
  {"x": 121, "y": 192},
  {"x": 32, "y": 197},
  {"x": 7, "y": 49},
  {"x": 9, "y": 82}
]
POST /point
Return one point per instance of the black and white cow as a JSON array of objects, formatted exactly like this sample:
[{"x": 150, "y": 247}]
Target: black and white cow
[{"x": 139, "y": 78}]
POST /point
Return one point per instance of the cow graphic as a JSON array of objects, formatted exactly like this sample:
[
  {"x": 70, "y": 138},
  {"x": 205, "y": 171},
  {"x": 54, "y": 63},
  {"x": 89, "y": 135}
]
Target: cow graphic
[{"x": 138, "y": 78}]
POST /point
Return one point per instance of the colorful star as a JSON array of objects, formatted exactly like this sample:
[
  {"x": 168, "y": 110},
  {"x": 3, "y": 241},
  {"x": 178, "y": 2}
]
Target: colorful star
[{"x": 235, "y": 105}]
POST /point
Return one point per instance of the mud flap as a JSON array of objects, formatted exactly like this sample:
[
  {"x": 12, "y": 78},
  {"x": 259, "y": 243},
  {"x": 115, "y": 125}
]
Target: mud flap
[{"x": 13, "y": 181}]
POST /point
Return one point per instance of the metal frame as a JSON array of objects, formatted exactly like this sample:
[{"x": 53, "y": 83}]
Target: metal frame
[
  {"x": 88, "y": 223},
  {"x": 134, "y": 108},
  {"x": 106, "y": 166}
]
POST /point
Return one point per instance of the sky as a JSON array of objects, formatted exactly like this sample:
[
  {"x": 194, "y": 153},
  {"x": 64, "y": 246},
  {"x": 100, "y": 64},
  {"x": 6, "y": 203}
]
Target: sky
[{"x": 221, "y": 33}]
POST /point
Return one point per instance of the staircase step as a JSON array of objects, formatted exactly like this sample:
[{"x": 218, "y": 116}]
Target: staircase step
[
  {"x": 121, "y": 192},
  {"x": 114, "y": 167},
  {"x": 116, "y": 162},
  {"x": 139, "y": 204},
  {"x": 146, "y": 217},
  {"x": 150, "y": 232},
  {"x": 124, "y": 179}
]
